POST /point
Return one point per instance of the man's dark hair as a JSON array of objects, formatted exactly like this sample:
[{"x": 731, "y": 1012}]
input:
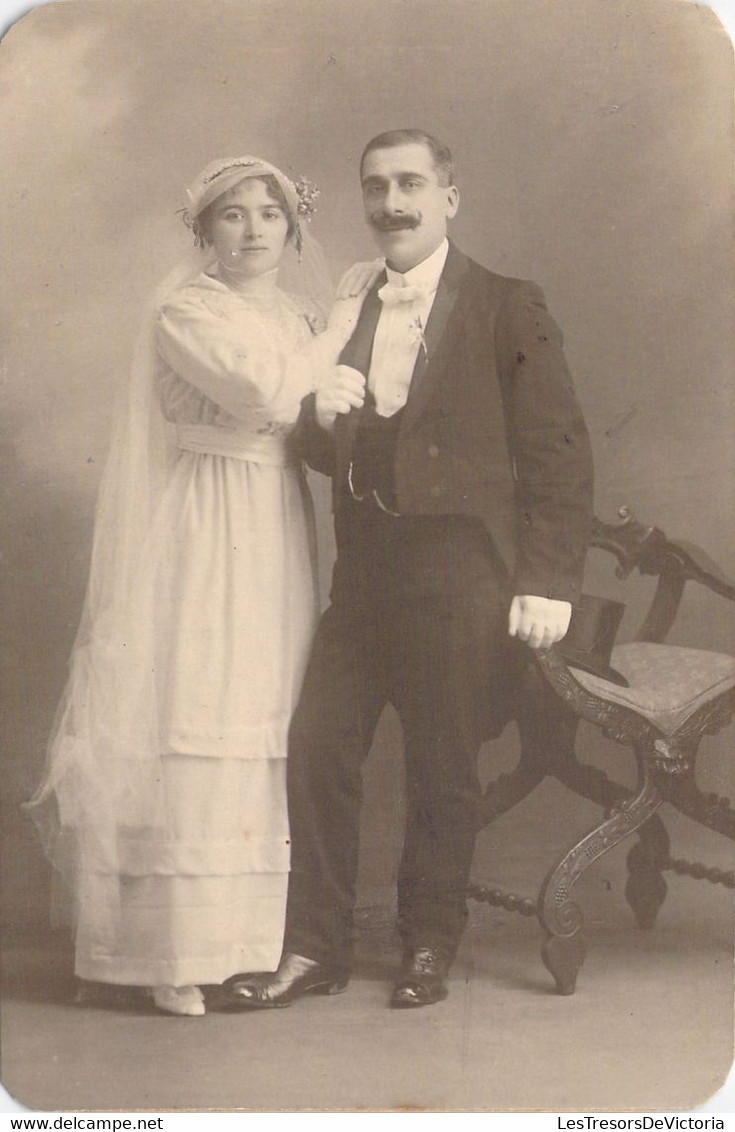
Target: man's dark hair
[{"x": 440, "y": 152}]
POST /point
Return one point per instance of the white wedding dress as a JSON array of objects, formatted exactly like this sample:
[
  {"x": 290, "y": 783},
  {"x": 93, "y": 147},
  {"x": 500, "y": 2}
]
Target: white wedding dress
[{"x": 200, "y": 894}]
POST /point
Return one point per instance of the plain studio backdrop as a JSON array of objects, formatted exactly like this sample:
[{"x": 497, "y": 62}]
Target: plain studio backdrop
[{"x": 593, "y": 147}]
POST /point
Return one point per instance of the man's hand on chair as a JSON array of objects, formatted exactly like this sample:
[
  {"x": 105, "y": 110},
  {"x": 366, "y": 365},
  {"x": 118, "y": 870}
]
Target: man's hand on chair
[{"x": 539, "y": 621}]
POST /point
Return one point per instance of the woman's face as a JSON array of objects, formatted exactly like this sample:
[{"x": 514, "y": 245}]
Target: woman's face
[{"x": 248, "y": 229}]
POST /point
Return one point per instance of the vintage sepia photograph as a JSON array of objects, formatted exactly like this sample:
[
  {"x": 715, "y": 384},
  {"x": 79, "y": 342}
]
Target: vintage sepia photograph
[{"x": 368, "y": 566}]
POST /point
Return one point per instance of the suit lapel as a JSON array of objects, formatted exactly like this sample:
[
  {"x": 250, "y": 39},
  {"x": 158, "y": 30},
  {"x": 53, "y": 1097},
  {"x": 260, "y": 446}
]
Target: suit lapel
[{"x": 357, "y": 353}]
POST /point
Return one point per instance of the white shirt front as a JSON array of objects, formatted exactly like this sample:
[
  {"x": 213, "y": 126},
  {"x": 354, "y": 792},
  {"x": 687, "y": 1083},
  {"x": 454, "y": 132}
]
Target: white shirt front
[{"x": 399, "y": 334}]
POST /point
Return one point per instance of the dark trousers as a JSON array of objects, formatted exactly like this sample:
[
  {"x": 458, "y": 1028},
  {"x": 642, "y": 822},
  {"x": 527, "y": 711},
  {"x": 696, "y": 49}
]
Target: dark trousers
[{"x": 418, "y": 618}]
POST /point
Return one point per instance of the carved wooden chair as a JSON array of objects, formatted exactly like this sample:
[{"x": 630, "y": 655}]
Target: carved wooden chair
[{"x": 675, "y": 696}]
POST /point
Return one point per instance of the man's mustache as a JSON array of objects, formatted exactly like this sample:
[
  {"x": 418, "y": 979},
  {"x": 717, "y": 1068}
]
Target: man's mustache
[{"x": 388, "y": 222}]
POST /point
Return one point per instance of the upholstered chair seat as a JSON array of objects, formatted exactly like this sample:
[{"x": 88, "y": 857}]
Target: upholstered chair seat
[{"x": 668, "y": 683}]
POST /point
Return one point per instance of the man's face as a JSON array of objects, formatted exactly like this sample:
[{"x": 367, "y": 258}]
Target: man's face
[{"x": 405, "y": 204}]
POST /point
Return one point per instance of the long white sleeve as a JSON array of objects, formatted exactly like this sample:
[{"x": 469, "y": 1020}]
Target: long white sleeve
[{"x": 232, "y": 355}]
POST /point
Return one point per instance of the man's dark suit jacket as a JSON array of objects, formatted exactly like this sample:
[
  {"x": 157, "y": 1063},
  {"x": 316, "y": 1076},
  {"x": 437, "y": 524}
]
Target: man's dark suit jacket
[{"x": 491, "y": 429}]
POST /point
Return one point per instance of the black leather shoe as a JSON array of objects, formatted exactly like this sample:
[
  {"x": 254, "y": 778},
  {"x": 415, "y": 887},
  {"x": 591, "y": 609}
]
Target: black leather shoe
[
  {"x": 295, "y": 976},
  {"x": 421, "y": 981}
]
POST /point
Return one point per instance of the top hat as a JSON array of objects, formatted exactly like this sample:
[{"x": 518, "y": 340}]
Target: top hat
[{"x": 589, "y": 641}]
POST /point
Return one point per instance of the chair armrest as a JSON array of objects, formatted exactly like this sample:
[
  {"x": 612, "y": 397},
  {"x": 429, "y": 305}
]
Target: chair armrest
[
  {"x": 703, "y": 569},
  {"x": 673, "y": 561}
]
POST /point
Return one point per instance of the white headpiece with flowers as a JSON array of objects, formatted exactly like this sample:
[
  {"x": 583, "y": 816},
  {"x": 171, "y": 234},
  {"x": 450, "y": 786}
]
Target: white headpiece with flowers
[{"x": 220, "y": 176}]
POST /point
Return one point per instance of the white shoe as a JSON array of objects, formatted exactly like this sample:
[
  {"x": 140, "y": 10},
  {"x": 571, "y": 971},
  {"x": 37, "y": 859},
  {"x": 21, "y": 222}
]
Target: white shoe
[{"x": 179, "y": 1000}]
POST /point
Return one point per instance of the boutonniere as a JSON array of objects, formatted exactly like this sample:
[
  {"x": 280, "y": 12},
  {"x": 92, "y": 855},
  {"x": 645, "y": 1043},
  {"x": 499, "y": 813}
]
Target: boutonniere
[{"x": 418, "y": 336}]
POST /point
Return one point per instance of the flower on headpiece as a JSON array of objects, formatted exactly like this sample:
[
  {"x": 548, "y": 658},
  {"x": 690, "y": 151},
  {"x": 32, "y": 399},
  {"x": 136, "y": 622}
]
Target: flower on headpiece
[
  {"x": 193, "y": 225},
  {"x": 308, "y": 194}
]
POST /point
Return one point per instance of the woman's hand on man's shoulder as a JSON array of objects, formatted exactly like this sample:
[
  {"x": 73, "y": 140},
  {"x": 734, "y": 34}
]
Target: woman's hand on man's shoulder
[{"x": 359, "y": 278}]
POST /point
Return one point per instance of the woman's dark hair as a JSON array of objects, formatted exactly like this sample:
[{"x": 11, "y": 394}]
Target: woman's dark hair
[{"x": 202, "y": 225}]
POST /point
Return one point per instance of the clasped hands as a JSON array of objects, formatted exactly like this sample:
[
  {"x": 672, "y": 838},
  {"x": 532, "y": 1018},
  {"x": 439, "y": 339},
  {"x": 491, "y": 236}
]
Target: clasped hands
[{"x": 342, "y": 389}]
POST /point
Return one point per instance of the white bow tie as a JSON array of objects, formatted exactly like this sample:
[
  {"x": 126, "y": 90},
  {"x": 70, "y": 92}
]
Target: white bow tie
[{"x": 391, "y": 295}]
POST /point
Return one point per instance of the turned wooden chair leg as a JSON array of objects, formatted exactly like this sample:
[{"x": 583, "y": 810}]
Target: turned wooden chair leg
[
  {"x": 560, "y": 917},
  {"x": 646, "y": 888}
]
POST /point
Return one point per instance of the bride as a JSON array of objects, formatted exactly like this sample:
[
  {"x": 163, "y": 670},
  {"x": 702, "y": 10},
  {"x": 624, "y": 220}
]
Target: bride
[{"x": 163, "y": 801}]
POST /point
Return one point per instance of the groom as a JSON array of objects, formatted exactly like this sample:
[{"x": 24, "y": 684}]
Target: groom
[{"x": 462, "y": 494}]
